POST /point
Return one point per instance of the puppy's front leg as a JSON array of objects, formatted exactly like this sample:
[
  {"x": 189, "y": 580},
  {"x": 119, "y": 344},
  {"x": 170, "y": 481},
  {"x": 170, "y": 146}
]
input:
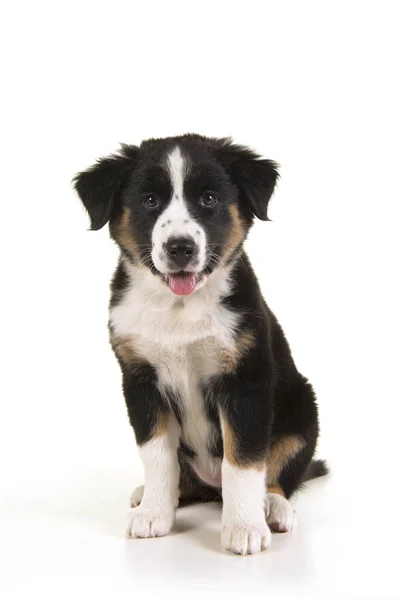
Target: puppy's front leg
[
  {"x": 244, "y": 527},
  {"x": 157, "y": 434}
]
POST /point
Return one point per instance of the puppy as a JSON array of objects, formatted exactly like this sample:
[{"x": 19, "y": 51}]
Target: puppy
[{"x": 217, "y": 405}]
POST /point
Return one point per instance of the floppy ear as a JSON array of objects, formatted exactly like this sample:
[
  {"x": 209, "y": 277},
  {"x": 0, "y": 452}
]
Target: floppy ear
[
  {"x": 254, "y": 176},
  {"x": 101, "y": 185}
]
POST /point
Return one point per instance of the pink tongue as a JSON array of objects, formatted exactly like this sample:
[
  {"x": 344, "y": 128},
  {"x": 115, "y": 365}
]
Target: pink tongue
[{"x": 182, "y": 285}]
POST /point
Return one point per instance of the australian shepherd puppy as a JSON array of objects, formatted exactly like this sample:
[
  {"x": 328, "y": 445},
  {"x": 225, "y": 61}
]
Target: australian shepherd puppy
[{"x": 217, "y": 405}]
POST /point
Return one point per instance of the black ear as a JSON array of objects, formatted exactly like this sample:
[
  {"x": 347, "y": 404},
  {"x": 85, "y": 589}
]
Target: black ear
[
  {"x": 101, "y": 185},
  {"x": 254, "y": 176}
]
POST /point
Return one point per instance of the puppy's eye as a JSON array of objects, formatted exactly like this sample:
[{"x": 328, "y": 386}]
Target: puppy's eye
[
  {"x": 209, "y": 199},
  {"x": 151, "y": 201}
]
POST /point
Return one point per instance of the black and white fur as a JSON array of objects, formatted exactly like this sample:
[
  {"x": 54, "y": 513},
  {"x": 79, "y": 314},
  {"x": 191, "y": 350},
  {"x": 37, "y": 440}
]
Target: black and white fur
[{"x": 214, "y": 397}]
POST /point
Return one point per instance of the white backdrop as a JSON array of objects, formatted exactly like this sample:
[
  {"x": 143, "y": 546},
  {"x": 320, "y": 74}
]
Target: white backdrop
[{"x": 312, "y": 85}]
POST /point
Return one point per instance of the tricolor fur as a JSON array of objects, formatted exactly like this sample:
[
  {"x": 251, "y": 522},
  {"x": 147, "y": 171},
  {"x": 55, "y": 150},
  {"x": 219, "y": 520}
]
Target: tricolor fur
[{"x": 214, "y": 397}]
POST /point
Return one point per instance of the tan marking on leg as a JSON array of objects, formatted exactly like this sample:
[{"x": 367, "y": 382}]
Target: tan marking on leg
[
  {"x": 232, "y": 452},
  {"x": 161, "y": 425},
  {"x": 230, "y": 358},
  {"x": 282, "y": 449},
  {"x": 121, "y": 230},
  {"x": 236, "y": 235},
  {"x": 229, "y": 449},
  {"x": 275, "y": 489}
]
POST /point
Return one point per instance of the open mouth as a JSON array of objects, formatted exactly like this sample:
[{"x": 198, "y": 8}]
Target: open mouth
[{"x": 182, "y": 283}]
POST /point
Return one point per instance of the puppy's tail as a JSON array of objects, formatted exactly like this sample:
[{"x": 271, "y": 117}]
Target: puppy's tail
[{"x": 316, "y": 468}]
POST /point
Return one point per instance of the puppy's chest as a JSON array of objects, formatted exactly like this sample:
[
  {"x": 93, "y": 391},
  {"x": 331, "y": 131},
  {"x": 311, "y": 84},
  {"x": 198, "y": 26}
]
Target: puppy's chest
[
  {"x": 182, "y": 340},
  {"x": 187, "y": 343}
]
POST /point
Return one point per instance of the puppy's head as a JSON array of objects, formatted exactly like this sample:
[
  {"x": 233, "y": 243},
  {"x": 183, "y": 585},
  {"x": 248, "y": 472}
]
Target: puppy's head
[{"x": 180, "y": 206}]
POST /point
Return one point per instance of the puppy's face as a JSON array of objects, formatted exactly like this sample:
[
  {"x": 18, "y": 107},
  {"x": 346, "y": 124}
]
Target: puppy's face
[{"x": 180, "y": 206}]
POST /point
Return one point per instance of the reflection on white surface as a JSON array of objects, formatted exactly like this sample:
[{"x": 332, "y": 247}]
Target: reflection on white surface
[{"x": 76, "y": 534}]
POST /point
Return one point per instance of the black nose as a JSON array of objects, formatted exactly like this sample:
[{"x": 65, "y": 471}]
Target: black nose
[{"x": 181, "y": 251}]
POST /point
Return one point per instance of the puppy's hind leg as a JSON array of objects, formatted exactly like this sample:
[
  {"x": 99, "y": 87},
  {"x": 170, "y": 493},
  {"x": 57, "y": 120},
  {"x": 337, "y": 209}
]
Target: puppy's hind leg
[
  {"x": 279, "y": 512},
  {"x": 136, "y": 496}
]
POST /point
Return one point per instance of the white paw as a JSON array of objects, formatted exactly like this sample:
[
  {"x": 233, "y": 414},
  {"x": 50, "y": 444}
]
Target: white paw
[
  {"x": 245, "y": 538},
  {"x": 136, "y": 496},
  {"x": 147, "y": 523},
  {"x": 280, "y": 514}
]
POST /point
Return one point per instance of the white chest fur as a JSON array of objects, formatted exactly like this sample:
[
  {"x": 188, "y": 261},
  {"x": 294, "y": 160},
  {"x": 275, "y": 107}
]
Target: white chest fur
[{"x": 182, "y": 338}]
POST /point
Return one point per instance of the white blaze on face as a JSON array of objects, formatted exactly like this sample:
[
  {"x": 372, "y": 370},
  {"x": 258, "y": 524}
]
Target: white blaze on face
[{"x": 175, "y": 221}]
